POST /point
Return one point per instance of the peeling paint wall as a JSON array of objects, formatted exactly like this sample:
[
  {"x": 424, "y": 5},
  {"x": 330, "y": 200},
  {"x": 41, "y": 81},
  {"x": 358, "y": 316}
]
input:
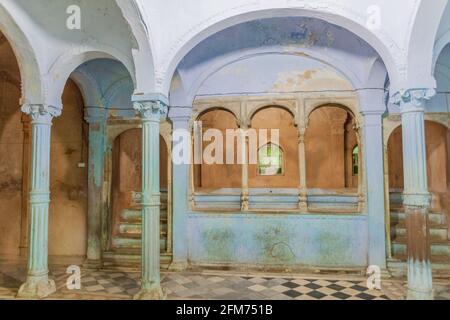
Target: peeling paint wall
[
  {"x": 11, "y": 152},
  {"x": 277, "y": 240},
  {"x": 68, "y": 182}
]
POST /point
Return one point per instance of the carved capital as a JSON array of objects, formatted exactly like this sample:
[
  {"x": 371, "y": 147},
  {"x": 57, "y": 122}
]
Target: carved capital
[
  {"x": 412, "y": 99},
  {"x": 41, "y": 113},
  {"x": 151, "y": 110}
]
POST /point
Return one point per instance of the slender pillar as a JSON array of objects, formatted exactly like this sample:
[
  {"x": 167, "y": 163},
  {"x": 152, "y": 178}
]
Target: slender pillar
[
  {"x": 303, "y": 196},
  {"x": 38, "y": 284},
  {"x": 244, "y": 140},
  {"x": 151, "y": 113},
  {"x": 374, "y": 170},
  {"x": 181, "y": 172},
  {"x": 416, "y": 198},
  {"x": 95, "y": 117}
]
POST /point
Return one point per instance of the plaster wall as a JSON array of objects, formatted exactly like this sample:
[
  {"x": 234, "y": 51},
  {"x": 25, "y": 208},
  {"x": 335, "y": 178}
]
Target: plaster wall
[
  {"x": 277, "y": 240},
  {"x": 68, "y": 180},
  {"x": 11, "y": 153}
]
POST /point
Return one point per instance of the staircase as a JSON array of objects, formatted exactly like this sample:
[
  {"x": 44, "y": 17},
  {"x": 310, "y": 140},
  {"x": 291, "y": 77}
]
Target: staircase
[
  {"x": 440, "y": 243},
  {"x": 126, "y": 242}
]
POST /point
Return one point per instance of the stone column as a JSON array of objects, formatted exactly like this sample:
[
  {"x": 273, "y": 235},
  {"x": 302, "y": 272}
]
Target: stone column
[
  {"x": 416, "y": 198},
  {"x": 96, "y": 119},
  {"x": 303, "y": 191},
  {"x": 38, "y": 284},
  {"x": 374, "y": 171},
  {"x": 151, "y": 112},
  {"x": 180, "y": 118},
  {"x": 244, "y": 140}
]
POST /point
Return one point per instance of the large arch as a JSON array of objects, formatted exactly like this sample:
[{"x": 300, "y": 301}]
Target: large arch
[
  {"x": 188, "y": 95},
  {"x": 143, "y": 54},
  {"x": 229, "y": 21},
  {"x": 30, "y": 72},
  {"x": 420, "y": 64},
  {"x": 69, "y": 62}
]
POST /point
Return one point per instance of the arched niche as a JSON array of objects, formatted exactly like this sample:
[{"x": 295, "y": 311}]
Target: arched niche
[
  {"x": 126, "y": 183},
  {"x": 282, "y": 121},
  {"x": 437, "y": 141},
  {"x": 215, "y": 174},
  {"x": 330, "y": 141}
]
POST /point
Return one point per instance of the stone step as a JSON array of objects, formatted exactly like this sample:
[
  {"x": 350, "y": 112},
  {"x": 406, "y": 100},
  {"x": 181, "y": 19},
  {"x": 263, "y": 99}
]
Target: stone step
[
  {"x": 126, "y": 228},
  {"x": 135, "y": 215},
  {"x": 434, "y": 259},
  {"x": 438, "y": 247},
  {"x": 130, "y": 259},
  {"x": 132, "y": 243},
  {"x": 437, "y": 231},
  {"x": 397, "y": 266},
  {"x": 434, "y": 217}
]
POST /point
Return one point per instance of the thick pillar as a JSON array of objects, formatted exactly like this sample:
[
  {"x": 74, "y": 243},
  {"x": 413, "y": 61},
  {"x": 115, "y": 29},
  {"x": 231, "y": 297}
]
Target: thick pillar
[
  {"x": 180, "y": 118},
  {"x": 416, "y": 198},
  {"x": 374, "y": 170},
  {"x": 95, "y": 117},
  {"x": 38, "y": 284},
  {"x": 151, "y": 112}
]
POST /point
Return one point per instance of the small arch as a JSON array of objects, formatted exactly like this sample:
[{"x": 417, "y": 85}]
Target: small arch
[
  {"x": 265, "y": 107},
  {"x": 330, "y": 142},
  {"x": 311, "y": 110},
  {"x": 71, "y": 61},
  {"x": 212, "y": 109}
]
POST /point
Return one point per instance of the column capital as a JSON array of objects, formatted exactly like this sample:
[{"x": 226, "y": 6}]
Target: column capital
[
  {"x": 372, "y": 118},
  {"x": 41, "y": 113},
  {"x": 180, "y": 114},
  {"x": 154, "y": 110},
  {"x": 412, "y": 100}
]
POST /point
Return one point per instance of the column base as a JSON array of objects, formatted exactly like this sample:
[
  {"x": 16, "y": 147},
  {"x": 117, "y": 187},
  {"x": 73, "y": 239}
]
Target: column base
[
  {"x": 153, "y": 293},
  {"x": 414, "y": 294},
  {"x": 37, "y": 288},
  {"x": 178, "y": 266}
]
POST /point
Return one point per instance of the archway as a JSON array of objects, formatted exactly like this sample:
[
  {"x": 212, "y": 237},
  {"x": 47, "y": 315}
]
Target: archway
[
  {"x": 213, "y": 174},
  {"x": 125, "y": 238},
  {"x": 14, "y": 152},
  {"x": 68, "y": 179},
  {"x": 332, "y": 150},
  {"x": 437, "y": 138},
  {"x": 276, "y": 118}
]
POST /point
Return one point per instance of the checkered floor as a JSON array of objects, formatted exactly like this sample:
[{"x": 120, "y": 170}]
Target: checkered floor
[{"x": 121, "y": 285}]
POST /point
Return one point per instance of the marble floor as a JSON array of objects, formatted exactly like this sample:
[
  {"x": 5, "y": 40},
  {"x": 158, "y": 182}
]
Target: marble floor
[{"x": 117, "y": 285}]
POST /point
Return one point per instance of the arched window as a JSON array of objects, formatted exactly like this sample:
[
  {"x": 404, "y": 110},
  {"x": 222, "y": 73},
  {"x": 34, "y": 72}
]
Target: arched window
[
  {"x": 270, "y": 160},
  {"x": 355, "y": 161}
]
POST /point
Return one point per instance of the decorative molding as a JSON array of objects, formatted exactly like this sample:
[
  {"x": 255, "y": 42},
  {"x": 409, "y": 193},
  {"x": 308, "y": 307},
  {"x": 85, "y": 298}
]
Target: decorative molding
[
  {"x": 412, "y": 99},
  {"x": 151, "y": 110},
  {"x": 41, "y": 113}
]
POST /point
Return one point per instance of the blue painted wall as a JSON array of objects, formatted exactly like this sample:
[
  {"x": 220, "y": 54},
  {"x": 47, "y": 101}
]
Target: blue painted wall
[{"x": 278, "y": 240}]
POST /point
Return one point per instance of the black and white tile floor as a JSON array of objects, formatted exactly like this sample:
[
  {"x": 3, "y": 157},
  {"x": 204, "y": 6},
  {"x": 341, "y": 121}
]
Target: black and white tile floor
[{"x": 185, "y": 286}]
